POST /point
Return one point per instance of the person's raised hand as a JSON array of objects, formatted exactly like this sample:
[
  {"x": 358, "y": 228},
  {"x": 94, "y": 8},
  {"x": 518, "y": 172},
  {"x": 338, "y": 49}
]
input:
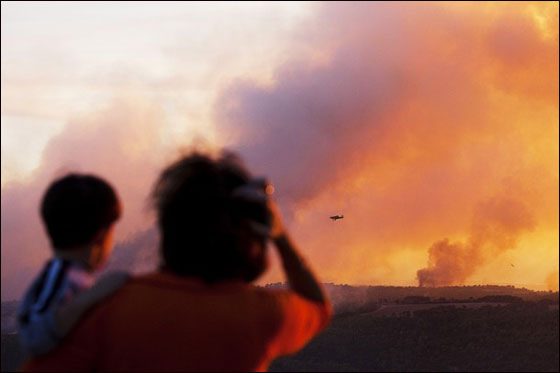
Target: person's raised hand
[{"x": 259, "y": 191}]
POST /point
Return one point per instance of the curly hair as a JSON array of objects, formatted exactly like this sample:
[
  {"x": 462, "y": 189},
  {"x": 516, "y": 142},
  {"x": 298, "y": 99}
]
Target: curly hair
[{"x": 203, "y": 229}]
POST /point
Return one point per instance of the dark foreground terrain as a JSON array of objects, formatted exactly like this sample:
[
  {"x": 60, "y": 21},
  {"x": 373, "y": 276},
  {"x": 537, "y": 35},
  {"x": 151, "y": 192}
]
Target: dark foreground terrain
[
  {"x": 375, "y": 328},
  {"x": 513, "y": 337}
]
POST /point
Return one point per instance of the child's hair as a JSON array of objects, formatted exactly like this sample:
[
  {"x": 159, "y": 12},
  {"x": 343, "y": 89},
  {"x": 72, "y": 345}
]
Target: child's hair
[{"x": 76, "y": 207}]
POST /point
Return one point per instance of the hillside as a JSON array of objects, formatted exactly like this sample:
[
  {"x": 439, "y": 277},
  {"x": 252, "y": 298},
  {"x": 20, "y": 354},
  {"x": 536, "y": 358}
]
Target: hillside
[{"x": 516, "y": 337}]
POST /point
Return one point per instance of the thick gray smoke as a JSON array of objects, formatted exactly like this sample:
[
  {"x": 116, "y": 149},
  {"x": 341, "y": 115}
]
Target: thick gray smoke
[
  {"x": 403, "y": 116},
  {"x": 495, "y": 227},
  {"x": 305, "y": 131}
]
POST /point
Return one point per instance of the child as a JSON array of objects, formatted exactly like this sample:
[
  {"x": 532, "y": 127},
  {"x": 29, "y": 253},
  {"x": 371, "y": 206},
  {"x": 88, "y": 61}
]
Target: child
[{"x": 79, "y": 213}]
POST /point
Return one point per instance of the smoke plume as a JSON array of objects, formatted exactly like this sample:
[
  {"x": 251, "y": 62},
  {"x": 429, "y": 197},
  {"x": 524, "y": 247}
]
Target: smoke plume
[
  {"x": 403, "y": 117},
  {"x": 495, "y": 226}
]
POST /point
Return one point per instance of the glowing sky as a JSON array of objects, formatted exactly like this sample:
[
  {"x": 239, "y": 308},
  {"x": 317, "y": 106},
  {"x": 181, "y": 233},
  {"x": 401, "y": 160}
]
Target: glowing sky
[
  {"x": 419, "y": 122},
  {"x": 62, "y": 59}
]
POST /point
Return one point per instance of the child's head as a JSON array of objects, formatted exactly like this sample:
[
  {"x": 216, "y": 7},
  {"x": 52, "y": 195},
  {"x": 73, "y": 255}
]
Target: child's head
[{"x": 79, "y": 212}]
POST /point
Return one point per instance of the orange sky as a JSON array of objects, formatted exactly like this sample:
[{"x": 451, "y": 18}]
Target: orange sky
[
  {"x": 416, "y": 121},
  {"x": 429, "y": 112}
]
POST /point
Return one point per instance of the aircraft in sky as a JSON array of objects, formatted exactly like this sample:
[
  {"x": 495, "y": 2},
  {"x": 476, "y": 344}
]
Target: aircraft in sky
[{"x": 336, "y": 217}]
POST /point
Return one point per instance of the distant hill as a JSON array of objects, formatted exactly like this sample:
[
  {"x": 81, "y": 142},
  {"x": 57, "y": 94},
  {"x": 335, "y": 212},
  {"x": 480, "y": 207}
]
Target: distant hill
[{"x": 347, "y": 298}]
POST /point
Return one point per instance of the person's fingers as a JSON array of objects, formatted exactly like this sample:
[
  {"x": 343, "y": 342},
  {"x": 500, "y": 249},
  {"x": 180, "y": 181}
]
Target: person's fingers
[
  {"x": 258, "y": 190},
  {"x": 259, "y": 182},
  {"x": 264, "y": 184},
  {"x": 269, "y": 189}
]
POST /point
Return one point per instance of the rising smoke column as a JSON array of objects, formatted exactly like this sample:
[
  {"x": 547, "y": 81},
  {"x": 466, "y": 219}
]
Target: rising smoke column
[
  {"x": 495, "y": 227},
  {"x": 404, "y": 116}
]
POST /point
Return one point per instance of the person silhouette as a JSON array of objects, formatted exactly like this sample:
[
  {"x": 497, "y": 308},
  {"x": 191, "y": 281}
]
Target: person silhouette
[
  {"x": 79, "y": 213},
  {"x": 200, "y": 311}
]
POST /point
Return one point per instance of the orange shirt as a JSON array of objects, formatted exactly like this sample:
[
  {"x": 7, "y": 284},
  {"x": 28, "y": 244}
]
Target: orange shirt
[{"x": 165, "y": 322}]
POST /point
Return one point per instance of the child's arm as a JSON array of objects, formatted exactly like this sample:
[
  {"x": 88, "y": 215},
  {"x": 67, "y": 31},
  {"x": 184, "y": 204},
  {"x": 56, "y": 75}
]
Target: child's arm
[{"x": 67, "y": 315}]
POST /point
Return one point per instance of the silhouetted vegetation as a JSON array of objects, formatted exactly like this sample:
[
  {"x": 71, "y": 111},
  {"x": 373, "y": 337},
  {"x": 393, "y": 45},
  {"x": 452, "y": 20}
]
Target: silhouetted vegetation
[{"x": 515, "y": 337}]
